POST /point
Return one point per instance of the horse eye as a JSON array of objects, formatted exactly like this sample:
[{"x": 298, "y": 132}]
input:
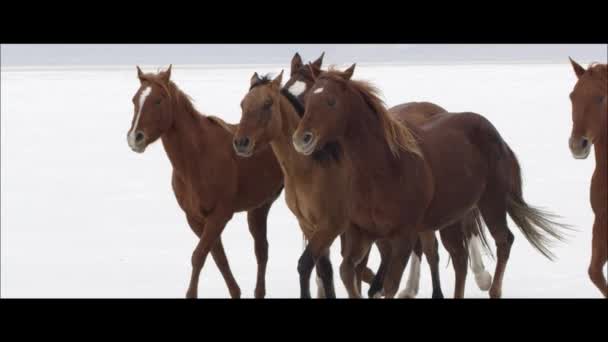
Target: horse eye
[
  {"x": 599, "y": 99},
  {"x": 267, "y": 103},
  {"x": 158, "y": 101},
  {"x": 331, "y": 102}
]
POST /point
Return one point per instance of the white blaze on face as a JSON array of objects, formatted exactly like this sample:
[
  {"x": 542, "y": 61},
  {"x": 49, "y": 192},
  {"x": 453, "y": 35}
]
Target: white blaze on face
[
  {"x": 297, "y": 88},
  {"x": 318, "y": 91},
  {"x": 142, "y": 99}
]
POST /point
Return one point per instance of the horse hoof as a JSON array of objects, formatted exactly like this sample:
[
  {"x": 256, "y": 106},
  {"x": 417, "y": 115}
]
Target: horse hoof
[
  {"x": 260, "y": 293},
  {"x": 495, "y": 293},
  {"x": 235, "y": 294},
  {"x": 191, "y": 294},
  {"x": 437, "y": 295},
  {"x": 483, "y": 280}
]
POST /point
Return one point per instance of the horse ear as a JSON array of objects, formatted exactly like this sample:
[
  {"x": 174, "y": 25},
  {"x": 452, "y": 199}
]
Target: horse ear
[
  {"x": 319, "y": 61},
  {"x": 348, "y": 73},
  {"x": 254, "y": 79},
  {"x": 296, "y": 63},
  {"x": 166, "y": 75},
  {"x": 140, "y": 74},
  {"x": 578, "y": 69},
  {"x": 314, "y": 71},
  {"x": 277, "y": 80}
]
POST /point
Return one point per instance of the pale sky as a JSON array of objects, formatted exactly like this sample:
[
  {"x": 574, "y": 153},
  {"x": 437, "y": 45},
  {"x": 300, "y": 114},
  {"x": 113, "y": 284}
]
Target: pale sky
[{"x": 163, "y": 54}]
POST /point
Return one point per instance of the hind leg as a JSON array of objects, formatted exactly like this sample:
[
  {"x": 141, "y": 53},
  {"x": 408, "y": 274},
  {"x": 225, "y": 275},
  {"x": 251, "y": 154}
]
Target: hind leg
[
  {"x": 375, "y": 287},
  {"x": 413, "y": 280},
  {"x": 599, "y": 254},
  {"x": 494, "y": 211},
  {"x": 452, "y": 238},
  {"x": 430, "y": 247},
  {"x": 257, "y": 219}
]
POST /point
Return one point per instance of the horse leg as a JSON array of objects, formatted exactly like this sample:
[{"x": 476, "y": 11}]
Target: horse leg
[
  {"x": 599, "y": 254},
  {"x": 325, "y": 276},
  {"x": 208, "y": 239},
  {"x": 482, "y": 276},
  {"x": 430, "y": 247},
  {"x": 317, "y": 246},
  {"x": 401, "y": 248},
  {"x": 356, "y": 248},
  {"x": 375, "y": 288},
  {"x": 219, "y": 257},
  {"x": 257, "y": 219},
  {"x": 413, "y": 280},
  {"x": 452, "y": 238},
  {"x": 494, "y": 211},
  {"x": 364, "y": 273}
]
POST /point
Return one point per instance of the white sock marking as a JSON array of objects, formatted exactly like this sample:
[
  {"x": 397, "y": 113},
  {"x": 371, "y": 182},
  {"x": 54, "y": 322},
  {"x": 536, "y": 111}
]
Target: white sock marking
[
  {"x": 482, "y": 277},
  {"x": 413, "y": 281},
  {"x": 318, "y": 91}
]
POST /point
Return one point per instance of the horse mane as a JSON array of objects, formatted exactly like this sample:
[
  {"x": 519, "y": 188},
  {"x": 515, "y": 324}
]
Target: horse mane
[
  {"x": 397, "y": 135},
  {"x": 172, "y": 91},
  {"x": 297, "y": 105},
  {"x": 230, "y": 128}
]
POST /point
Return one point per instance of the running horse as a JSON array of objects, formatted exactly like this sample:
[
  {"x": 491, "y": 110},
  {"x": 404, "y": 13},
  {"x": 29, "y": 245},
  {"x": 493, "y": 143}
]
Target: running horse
[
  {"x": 589, "y": 126},
  {"x": 467, "y": 232},
  {"x": 389, "y": 165},
  {"x": 209, "y": 182}
]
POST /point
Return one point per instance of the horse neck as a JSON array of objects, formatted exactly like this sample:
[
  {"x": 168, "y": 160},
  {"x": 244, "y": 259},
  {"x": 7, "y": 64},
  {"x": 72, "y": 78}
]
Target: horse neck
[
  {"x": 601, "y": 145},
  {"x": 185, "y": 139},
  {"x": 281, "y": 136},
  {"x": 364, "y": 139}
]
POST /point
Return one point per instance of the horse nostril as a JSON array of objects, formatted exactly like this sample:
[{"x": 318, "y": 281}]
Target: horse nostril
[
  {"x": 585, "y": 143},
  {"x": 139, "y": 136},
  {"x": 241, "y": 143},
  {"x": 307, "y": 138}
]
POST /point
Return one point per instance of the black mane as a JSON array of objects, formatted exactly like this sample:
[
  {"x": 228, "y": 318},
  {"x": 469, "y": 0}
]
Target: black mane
[{"x": 332, "y": 151}]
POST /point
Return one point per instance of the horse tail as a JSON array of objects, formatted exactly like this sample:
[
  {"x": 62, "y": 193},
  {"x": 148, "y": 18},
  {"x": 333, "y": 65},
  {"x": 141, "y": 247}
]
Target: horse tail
[{"x": 540, "y": 227}]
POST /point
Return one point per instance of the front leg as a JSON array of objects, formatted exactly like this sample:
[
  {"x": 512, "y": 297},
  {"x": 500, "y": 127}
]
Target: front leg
[
  {"x": 257, "y": 219},
  {"x": 316, "y": 248},
  {"x": 213, "y": 229}
]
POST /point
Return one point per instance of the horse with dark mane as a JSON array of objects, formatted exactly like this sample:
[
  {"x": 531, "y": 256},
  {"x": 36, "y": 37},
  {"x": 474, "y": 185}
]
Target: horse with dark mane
[
  {"x": 467, "y": 232},
  {"x": 209, "y": 181},
  {"x": 589, "y": 126},
  {"x": 390, "y": 165}
]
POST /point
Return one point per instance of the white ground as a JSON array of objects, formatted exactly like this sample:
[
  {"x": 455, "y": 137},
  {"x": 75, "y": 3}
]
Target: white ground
[{"x": 84, "y": 216}]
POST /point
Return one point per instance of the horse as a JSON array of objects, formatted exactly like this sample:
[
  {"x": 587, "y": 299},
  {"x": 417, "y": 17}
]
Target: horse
[
  {"x": 589, "y": 126},
  {"x": 209, "y": 182},
  {"x": 301, "y": 80},
  {"x": 391, "y": 165}
]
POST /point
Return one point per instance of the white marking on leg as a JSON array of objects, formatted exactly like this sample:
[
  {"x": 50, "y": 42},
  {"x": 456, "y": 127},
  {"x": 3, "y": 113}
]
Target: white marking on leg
[
  {"x": 482, "y": 277},
  {"x": 413, "y": 282},
  {"x": 297, "y": 88},
  {"x": 142, "y": 99},
  {"x": 318, "y": 91},
  {"x": 320, "y": 288}
]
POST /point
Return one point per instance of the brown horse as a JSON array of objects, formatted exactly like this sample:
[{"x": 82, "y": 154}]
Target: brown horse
[
  {"x": 209, "y": 182},
  {"x": 589, "y": 126},
  {"x": 438, "y": 172},
  {"x": 466, "y": 232}
]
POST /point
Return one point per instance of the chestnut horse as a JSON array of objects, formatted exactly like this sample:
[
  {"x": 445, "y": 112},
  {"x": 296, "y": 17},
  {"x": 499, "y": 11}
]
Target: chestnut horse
[
  {"x": 416, "y": 113},
  {"x": 589, "y": 125},
  {"x": 209, "y": 182},
  {"x": 438, "y": 172}
]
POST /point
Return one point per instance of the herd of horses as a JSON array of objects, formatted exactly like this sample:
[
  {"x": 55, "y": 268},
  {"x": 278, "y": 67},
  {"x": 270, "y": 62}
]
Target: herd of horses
[{"x": 354, "y": 169}]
